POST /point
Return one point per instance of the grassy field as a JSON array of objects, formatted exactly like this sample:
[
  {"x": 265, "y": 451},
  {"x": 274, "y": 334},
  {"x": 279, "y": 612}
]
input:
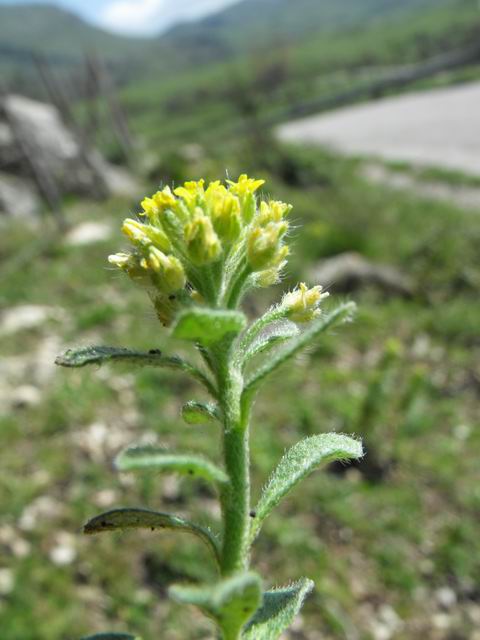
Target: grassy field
[{"x": 395, "y": 553}]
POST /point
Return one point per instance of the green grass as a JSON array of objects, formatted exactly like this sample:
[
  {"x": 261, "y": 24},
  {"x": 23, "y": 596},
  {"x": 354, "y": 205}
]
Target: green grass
[{"x": 364, "y": 544}]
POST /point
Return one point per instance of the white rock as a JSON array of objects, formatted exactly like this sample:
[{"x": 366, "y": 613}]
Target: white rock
[
  {"x": 18, "y": 198},
  {"x": 64, "y": 551},
  {"x": 446, "y": 597},
  {"x": 20, "y": 548},
  {"x": 43, "y": 508},
  {"x": 7, "y": 581},
  {"x": 28, "y": 316},
  {"x": 105, "y": 498},
  {"x": 88, "y": 233},
  {"x": 26, "y": 395}
]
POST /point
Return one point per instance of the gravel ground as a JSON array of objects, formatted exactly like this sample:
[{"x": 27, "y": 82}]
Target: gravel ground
[{"x": 440, "y": 128}]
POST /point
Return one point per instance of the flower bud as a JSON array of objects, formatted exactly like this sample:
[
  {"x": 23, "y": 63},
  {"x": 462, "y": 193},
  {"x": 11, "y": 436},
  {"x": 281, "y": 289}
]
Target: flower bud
[
  {"x": 131, "y": 265},
  {"x": 159, "y": 202},
  {"x": 169, "y": 275},
  {"x": 226, "y": 216},
  {"x": 265, "y": 248},
  {"x": 202, "y": 242},
  {"x": 145, "y": 234},
  {"x": 166, "y": 308},
  {"x": 273, "y": 211},
  {"x": 270, "y": 276},
  {"x": 245, "y": 185},
  {"x": 191, "y": 193},
  {"x": 302, "y": 304}
]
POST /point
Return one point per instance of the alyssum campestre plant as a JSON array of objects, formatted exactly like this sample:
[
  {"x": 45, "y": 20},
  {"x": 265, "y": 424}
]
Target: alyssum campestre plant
[{"x": 197, "y": 251}]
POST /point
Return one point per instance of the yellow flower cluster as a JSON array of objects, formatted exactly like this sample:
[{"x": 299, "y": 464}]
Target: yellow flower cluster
[{"x": 187, "y": 231}]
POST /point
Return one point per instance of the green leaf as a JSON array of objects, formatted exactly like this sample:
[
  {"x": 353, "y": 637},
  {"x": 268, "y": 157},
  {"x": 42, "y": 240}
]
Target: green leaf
[
  {"x": 111, "y": 636},
  {"x": 99, "y": 355},
  {"x": 299, "y": 461},
  {"x": 341, "y": 314},
  {"x": 271, "y": 337},
  {"x": 279, "y": 608},
  {"x": 208, "y": 326},
  {"x": 199, "y": 412},
  {"x": 120, "y": 519},
  {"x": 231, "y": 602},
  {"x": 156, "y": 459}
]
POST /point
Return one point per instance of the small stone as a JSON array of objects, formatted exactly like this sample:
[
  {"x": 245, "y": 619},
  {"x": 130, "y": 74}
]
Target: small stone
[
  {"x": 88, "y": 233},
  {"x": 20, "y": 547},
  {"x": 441, "y": 621},
  {"x": 462, "y": 432},
  {"x": 43, "y": 508},
  {"x": 64, "y": 552},
  {"x": 23, "y": 317},
  {"x": 446, "y": 597},
  {"x": 7, "y": 581},
  {"x": 105, "y": 498},
  {"x": 26, "y": 396}
]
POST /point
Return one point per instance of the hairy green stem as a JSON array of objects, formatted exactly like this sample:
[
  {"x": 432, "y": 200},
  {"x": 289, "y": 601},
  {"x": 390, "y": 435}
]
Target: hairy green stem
[{"x": 235, "y": 496}]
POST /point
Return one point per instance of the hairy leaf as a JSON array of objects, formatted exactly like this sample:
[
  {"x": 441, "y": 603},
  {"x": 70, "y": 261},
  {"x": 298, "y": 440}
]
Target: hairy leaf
[
  {"x": 111, "y": 636},
  {"x": 279, "y": 608},
  {"x": 98, "y": 355},
  {"x": 156, "y": 459},
  {"x": 299, "y": 461},
  {"x": 119, "y": 519},
  {"x": 271, "y": 337},
  {"x": 340, "y": 314},
  {"x": 208, "y": 326},
  {"x": 199, "y": 412},
  {"x": 231, "y": 602}
]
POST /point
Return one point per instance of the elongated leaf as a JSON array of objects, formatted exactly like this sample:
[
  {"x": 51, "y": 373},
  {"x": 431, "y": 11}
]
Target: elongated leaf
[
  {"x": 99, "y": 355},
  {"x": 112, "y": 636},
  {"x": 120, "y": 519},
  {"x": 299, "y": 461},
  {"x": 341, "y": 314},
  {"x": 231, "y": 602},
  {"x": 271, "y": 337},
  {"x": 208, "y": 326},
  {"x": 156, "y": 459},
  {"x": 199, "y": 412},
  {"x": 279, "y": 608}
]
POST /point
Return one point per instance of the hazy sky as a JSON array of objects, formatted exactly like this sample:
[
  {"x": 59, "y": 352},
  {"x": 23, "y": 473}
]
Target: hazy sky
[{"x": 136, "y": 17}]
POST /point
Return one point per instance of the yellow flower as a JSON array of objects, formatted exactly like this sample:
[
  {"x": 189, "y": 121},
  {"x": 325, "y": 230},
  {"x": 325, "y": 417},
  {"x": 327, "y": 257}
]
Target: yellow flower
[
  {"x": 202, "y": 242},
  {"x": 131, "y": 265},
  {"x": 264, "y": 246},
  {"x": 169, "y": 275},
  {"x": 302, "y": 304},
  {"x": 145, "y": 234},
  {"x": 245, "y": 185},
  {"x": 273, "y": 211},
  {"x": 191, "y": 192},
  {"x": 159, "y": 202},
  {"x": 225, "y": 212}
]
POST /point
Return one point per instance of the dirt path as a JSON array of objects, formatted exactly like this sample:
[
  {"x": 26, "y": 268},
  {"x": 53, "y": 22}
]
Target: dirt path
[{"x": 439, "y": 128}]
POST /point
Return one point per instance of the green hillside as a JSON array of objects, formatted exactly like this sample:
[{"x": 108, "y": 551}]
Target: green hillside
[
  {"x": 60, "y": 36},
  {"x": 56, "y": 32},
  {"x": 255, "y": 23},
  {"x": 184, "y": 101}
]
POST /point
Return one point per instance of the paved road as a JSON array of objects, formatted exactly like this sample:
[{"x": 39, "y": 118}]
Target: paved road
[{"x": 440, "y": 128}]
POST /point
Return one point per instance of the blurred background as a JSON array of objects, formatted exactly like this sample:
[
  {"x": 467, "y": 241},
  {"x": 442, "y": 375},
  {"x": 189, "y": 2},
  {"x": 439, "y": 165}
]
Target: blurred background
[{"x": 365, "y": 115}]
